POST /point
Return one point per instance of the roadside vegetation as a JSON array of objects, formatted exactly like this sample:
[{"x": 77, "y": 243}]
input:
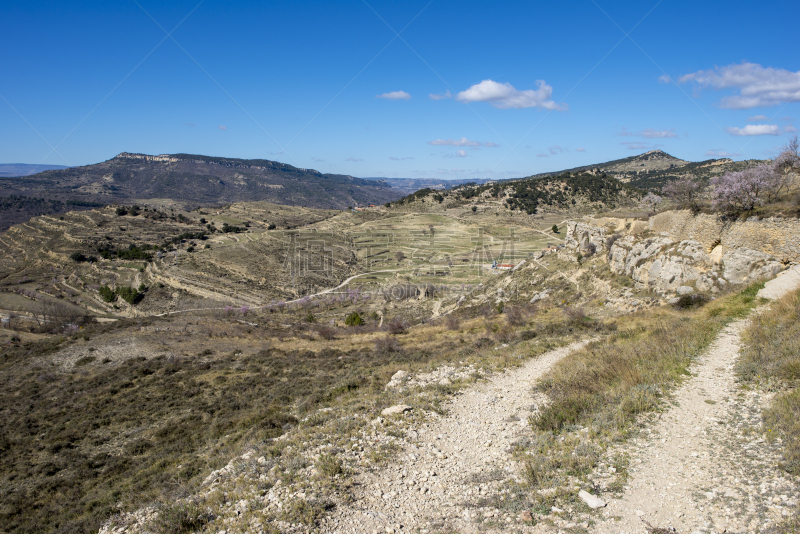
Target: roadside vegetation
[
  {"x": 771, "y": 362},
  {"x": 85, "y": 434},
  {"x": 600, "y": 395}
]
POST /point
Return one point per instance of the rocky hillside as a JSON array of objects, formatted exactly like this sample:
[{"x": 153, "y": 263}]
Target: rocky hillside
[
  {"x": 200, "y": 179},
  {"x": 704, "y": 256},
  {"x": 653, "y": 169},
  {"x": 543, "y": 194}
]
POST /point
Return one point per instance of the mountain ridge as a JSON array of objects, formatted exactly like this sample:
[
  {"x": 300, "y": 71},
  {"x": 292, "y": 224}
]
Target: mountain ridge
[
  {"x": 13, "y": 170},
  {"x": 654, "y": 168},
  {"x": 192, "y": 178}
]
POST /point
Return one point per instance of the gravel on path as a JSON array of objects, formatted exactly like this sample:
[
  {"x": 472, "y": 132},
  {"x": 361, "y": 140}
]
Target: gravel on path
[
  {"x": 704, "y": 466},
  {"x": 450, "y": 463}
]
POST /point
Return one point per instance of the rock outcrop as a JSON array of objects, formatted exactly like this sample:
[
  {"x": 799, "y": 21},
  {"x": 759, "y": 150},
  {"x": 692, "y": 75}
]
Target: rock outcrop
[{"x": 664, "y": 264}]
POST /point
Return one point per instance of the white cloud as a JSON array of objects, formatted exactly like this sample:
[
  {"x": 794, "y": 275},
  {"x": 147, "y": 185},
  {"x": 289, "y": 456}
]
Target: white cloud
[
  {"x": 755, "y": 129},
  {"x": 454, "y": 142},
  {"x": 636, "y": 146},
  {"x": 649, "y": 133},
  {"x": 580, "y": 149},
  {"x": 555, "y": 149},
  {"x": 461, "y": 142},
  {"x": 354, "y": 159},
  {"x": 222, "y": 127},
  {"x": 317, "y": 160},
  {"x": 400, "y": 159},
  {"x": 394, "y": 95},
  {"x": 504, "y": 96},
  {"x": 758, "y": 118},
  {"x": 664, "y": 79},
  {"x": 441, "y": 96},
  {"x": 758, "y": 86},
  {"x": 542, "y": 155},
  {"x": 720, "y": 153},
  {"x": 461, "y": 154}
]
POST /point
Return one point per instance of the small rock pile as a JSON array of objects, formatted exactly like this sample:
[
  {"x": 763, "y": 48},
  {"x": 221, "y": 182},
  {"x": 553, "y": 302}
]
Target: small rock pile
[{"x": 444, "y": 376}]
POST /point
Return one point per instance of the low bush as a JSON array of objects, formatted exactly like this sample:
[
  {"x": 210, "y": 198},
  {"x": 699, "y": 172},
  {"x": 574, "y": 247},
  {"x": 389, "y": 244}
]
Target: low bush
[
  {"x": 693, "y": 300},
  {"x": 516, "y": 316},
  {"x": 575, "y": 316},
  {"x": 328, "y": 465},
  {"x": 181, "y": 518},
  {"x": 396, "y": 326},
  {"x": 451, "y": 322},
  {"x": 326, "y": 332},
  {"x": 771, "y": 358},
  {"x": 354, "y": 319},
  {"x": 387, "y": 344}
]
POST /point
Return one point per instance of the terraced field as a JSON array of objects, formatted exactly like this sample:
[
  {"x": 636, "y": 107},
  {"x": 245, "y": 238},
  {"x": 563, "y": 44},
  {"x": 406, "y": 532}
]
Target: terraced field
[{"x": 253, "y": 254}]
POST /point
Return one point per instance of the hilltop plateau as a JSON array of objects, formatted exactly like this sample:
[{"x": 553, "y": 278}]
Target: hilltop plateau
[{"x": 189, "y": 178}]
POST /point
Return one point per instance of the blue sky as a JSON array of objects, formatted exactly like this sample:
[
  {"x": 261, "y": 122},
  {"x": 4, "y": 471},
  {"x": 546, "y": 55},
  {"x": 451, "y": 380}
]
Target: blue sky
[{"x": 467, "y": 89}]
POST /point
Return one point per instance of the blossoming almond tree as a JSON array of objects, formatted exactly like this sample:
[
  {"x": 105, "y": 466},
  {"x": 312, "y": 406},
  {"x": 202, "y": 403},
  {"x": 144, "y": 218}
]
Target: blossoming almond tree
[
  {"x": 683, "y": 191},
  {"x": 743, "y": 190}
]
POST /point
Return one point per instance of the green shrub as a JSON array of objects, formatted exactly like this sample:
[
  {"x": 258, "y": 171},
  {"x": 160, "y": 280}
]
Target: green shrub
[
  {"x": 329, "y": 465},
  {"x": 83, "y": 361},
  {"x": 354, "y": 319},
  {"x": 129, "y": 295},
  {"x": 107, "y": 293}
]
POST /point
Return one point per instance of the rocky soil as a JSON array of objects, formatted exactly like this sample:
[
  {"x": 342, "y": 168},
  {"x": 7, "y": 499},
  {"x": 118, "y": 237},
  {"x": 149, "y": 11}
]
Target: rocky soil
[
  {"x": 447, "y": 466},
  {"x": 705, "y": 465}
]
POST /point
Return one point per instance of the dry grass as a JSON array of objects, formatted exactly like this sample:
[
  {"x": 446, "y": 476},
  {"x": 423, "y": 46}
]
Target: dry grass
[
  {"x": 597, "y": 395},
  {"x": 771, "y": 359},
  {"x": 81, "y": 434}
]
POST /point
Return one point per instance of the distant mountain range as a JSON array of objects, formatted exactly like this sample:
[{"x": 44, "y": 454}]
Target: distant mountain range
[
  {"x": 25, "y": 169},
  {"x": 206, "y": 180},
  {"x": 199, "y": 179},
  {"x": 409, "y": 185}
]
